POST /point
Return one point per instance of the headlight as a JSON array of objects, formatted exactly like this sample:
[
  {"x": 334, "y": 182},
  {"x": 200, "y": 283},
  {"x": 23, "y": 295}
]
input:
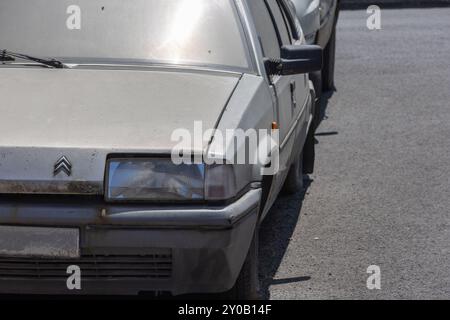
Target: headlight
[
  {"x": 154, "y": 180},
  {"x": 143, "y": 179},
  {"x": 220, "y": 182}
]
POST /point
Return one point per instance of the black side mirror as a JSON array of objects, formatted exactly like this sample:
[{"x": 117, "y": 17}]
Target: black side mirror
[{"x": 296, "y": 60}]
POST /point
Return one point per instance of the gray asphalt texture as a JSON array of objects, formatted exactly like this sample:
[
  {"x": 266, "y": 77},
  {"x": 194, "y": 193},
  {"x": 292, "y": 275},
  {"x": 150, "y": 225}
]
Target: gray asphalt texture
[{"x": 381, "y": 191}]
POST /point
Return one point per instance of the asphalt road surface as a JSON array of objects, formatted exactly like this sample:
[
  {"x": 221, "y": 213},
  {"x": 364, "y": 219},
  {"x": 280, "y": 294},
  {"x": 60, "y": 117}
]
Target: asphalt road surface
[{"x": 381, "y": 191}]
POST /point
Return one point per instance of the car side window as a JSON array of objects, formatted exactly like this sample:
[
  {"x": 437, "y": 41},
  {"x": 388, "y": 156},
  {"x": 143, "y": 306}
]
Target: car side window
[
  {"x": 267, "y": 33},
  {"x": 280, "y": 21}
]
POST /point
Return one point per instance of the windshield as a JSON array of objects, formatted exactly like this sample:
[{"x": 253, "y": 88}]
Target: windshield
[{"x": 186, "y": 32}]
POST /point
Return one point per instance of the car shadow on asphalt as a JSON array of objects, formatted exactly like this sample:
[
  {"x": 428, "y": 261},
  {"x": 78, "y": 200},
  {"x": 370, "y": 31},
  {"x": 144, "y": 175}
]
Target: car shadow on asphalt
[
  {"x": 275, "y": 234},
  {"x": 278, "y": 227}
]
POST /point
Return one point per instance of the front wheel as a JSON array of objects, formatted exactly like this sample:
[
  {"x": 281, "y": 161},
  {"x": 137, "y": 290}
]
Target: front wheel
[
  {"x": 316, "y": 79},
  {"x": 329, "y": 57},
  {"x": 309, "y": 153}
]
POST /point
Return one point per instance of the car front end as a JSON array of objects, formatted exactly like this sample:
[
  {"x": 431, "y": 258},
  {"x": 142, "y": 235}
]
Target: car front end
[{"x": 87, "y": 178}]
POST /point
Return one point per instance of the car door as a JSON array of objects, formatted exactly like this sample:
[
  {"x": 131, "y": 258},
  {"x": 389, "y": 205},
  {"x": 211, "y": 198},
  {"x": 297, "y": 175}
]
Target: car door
[
  {"x": 291, "y": 93},
  {"x": 273, "y": 33},
  {"x": 301, "y": 109},
  {"x": 283, "y": 85}
]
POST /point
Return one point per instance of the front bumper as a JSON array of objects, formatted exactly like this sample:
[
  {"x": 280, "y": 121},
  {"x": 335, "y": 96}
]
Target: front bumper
[{"x": 128, "y": 249}]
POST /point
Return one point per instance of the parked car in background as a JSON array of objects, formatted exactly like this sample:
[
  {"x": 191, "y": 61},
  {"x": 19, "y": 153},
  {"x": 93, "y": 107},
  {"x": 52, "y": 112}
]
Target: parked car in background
[
  {"x": 318, "y": 19},
  {"x": 89, "y": 109}
]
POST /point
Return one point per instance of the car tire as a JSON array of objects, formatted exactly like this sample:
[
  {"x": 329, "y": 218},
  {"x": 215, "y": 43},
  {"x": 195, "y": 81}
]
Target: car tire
[
  {"x": 247, "y": 284},
  {"x": 316, "y": 79},
  {"x": 294, "y": 179},
  {"x": 329, "y": 57},
  {"x": 309, "y": 153}
]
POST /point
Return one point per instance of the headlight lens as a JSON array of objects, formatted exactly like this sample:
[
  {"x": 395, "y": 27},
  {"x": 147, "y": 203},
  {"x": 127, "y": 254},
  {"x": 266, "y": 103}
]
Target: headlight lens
[
  {"x": 220, "y": 182},
  {"x": 154, "y": 180}
]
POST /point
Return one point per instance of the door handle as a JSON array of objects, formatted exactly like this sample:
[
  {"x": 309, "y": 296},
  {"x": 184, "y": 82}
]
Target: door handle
[{"x": 294, "y": 94}]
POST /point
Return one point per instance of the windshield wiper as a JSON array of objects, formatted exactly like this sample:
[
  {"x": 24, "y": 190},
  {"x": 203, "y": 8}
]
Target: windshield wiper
[{"x": 6, "y": 55}]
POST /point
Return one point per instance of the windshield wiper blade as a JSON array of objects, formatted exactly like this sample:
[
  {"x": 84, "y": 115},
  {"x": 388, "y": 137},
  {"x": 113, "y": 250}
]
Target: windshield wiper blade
[{"x": 6, "y": 55}]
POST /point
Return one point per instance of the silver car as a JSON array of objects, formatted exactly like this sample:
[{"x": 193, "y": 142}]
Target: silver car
[
  {"x": 318, "y": 19},
  {"x": 95, "y": 98}
]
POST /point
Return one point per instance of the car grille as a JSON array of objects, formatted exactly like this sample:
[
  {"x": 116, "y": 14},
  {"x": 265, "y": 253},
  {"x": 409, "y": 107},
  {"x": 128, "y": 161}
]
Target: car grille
[{"x": 155, "y": 266}]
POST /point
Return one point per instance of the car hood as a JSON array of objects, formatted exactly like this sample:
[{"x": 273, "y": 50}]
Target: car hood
[{"x": 86, "y": 115}]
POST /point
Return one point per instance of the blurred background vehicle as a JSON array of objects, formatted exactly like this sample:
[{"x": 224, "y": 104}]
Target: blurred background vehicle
[{"x": 318, "y": 19}]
